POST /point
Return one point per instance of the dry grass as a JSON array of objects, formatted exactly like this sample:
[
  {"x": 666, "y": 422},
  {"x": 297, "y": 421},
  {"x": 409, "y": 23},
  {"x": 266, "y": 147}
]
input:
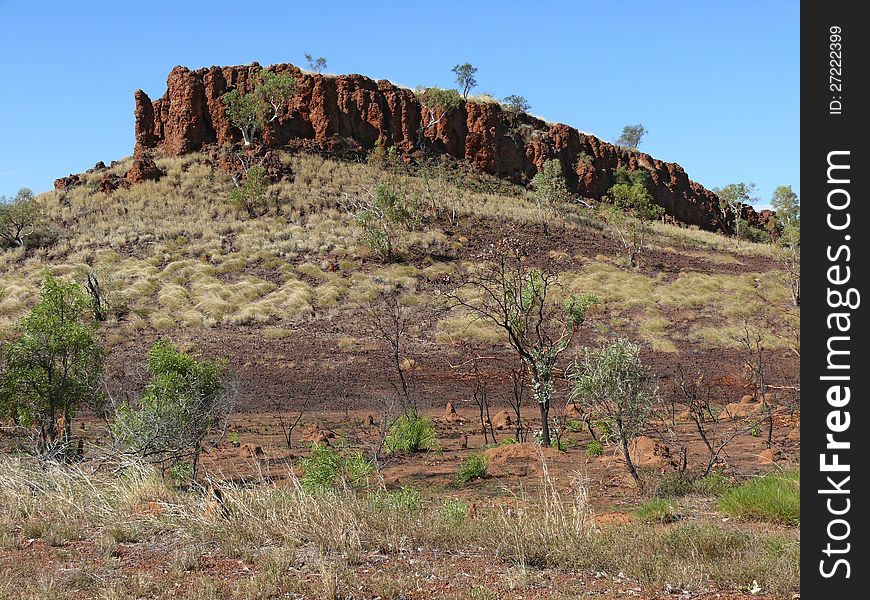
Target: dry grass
[
  {"x": 174, "y": 254},
  {"x": 300, "y": 542}
]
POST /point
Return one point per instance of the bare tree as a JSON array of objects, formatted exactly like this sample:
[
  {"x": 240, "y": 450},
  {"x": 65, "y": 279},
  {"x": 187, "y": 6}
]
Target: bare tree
[
  {"x": 390, "y": 322},
  {"x": 515, "y": 398},
  {"x": 756, "y": 368},
  {"x": 522, "y": 303}
]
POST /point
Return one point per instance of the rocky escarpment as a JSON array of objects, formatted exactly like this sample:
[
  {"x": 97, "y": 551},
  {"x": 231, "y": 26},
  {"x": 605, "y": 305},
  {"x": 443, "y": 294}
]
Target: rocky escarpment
[{"x": 351, "y": 108}]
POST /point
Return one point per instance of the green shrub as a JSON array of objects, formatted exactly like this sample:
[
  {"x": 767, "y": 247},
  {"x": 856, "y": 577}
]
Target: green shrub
[
  {"x": 473, "y": 467},
  {"x": 594, "y": 448},
  {"x": 774, "y": 498},
  {"x": 573, "y": 425},
  {"x": 54, "y": 367},
  {"x": 326, "y": 469},
  {"x": 186, "y": 399},
  {"x": 411, "y": 433},
  {"x": 455, "y": 511},
  {"x": 657, "y": 510}
]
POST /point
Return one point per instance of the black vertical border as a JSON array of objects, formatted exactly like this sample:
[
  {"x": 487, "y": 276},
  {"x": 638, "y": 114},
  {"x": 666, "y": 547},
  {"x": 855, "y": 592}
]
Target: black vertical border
[{"x": 822, "y": 133}]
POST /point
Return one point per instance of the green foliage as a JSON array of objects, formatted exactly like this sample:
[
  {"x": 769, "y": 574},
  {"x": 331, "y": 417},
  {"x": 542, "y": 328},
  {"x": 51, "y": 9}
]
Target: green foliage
[
  {"x": 550, "y": 189},
  {"x": 316, "y": 65},
  {"x": 594, "y": 448},
  {"x": 628, "y": 209},
  {"x": 54, "y": 366},
  {"x": 473, "y": 467},
  {"x": 247, "y": 112},
  {"x": 275, "y": 89},
  {"x": 252, "y": 196},
  {"x": 573, "y": 425},
  {"x": 773, "y": 498},
  {"x": 612, "y": 384},
  {"x": 632, "y": 135},
  {"x": 382, "y": 219},
  {"x": 455, "y": 511},
  {"x": 516, "y": 104},
  {"x": 186, "y": 398},
  {"x": 732, "y": 198},
  {"x": 657, "y": 510},
  {"x": 788, "y": 240},
  {"x": 577, "y": 308},
  {"x": 19, "y": 218},
  {"x": 250, "y": 112},
  {"x": 439, "y": 101},
  {"x": 788, "y": 209},
  {"x": 406, "y": 499},
  {"x": 327, "y": 469},
  {"x": 465, "y": 77},
  {"x": 411, "y": 433}
]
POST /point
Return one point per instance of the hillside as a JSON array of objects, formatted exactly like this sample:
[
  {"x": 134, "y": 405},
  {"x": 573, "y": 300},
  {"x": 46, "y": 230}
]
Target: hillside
[
  {"x": 179, "y": 260},
  {"x": 330, "y": 336}
]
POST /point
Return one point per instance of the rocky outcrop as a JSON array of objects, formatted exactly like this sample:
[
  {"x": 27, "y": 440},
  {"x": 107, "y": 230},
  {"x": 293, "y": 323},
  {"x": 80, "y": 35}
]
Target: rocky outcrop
[
  {"x": 357, "y": 112},
  {"x": 143, "y": 168}
]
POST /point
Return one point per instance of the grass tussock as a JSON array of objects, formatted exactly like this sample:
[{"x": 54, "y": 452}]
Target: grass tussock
[{"x": 774, "y": 498}]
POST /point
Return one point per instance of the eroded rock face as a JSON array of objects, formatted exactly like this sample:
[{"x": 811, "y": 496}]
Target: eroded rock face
[
  {"x": 143, "y": 168},
  {"x": 363, "y": 112}
]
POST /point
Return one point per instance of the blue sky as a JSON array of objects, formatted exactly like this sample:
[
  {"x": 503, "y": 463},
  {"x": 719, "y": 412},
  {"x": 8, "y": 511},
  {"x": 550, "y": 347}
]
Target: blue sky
[{"x": 716, "y": 84}]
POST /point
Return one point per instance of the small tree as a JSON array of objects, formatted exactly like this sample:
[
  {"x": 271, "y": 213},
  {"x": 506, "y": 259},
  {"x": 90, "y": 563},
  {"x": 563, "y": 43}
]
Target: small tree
[
  {"x": 186, "y": 399},
  {"x": 316, "y": 65},
  {"x": 788, "y": 244},
  {"x": 521, "y": 302},
  {"x": 19, "y": 217},
  {"x": 251, "y": 196},
  {"x": 732, "y": 198},
  {"x": 612, "y": 383},
  {"x": 383, "y": 215},
  {"x": 632, "y": 135},
  {"x": 249, "y": 112},
  {"x": 465, "y": 78},
  {"x": 550, "y": 190},
  {"x": 275, "y": 89},
  {"x": 630, "y": 209},
  {"x": 516, "y": 104},
  {"x": 439, "y": 102},
  {"x": 54, "y": 366}
]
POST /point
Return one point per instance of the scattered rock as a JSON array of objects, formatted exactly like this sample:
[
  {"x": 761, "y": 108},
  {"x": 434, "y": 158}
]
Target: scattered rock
[
  {"x": 502, "y": 420},
  {"x": 769, "y": 456},
  {"x": 109, "y": 183},
  {"x": 65, "y": 183},
  {"x": 736, "y": 410},
  {"x": 251, "y": 451}
]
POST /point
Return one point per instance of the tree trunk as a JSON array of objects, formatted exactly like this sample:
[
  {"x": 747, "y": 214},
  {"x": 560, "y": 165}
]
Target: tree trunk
[
  {"x": 545, "y": 422},
  {"x": 628, "y": 462}
]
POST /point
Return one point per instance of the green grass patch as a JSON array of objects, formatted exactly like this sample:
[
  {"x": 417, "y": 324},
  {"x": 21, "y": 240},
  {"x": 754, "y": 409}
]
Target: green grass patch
[
  {"x": 773, "y": 498},
  {"x": 658, "y": 510},
  {"x": 473, "y": 467}
]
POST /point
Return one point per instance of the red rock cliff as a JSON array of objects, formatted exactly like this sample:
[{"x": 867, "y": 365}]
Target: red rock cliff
[{"x": 191, "y": 115}]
